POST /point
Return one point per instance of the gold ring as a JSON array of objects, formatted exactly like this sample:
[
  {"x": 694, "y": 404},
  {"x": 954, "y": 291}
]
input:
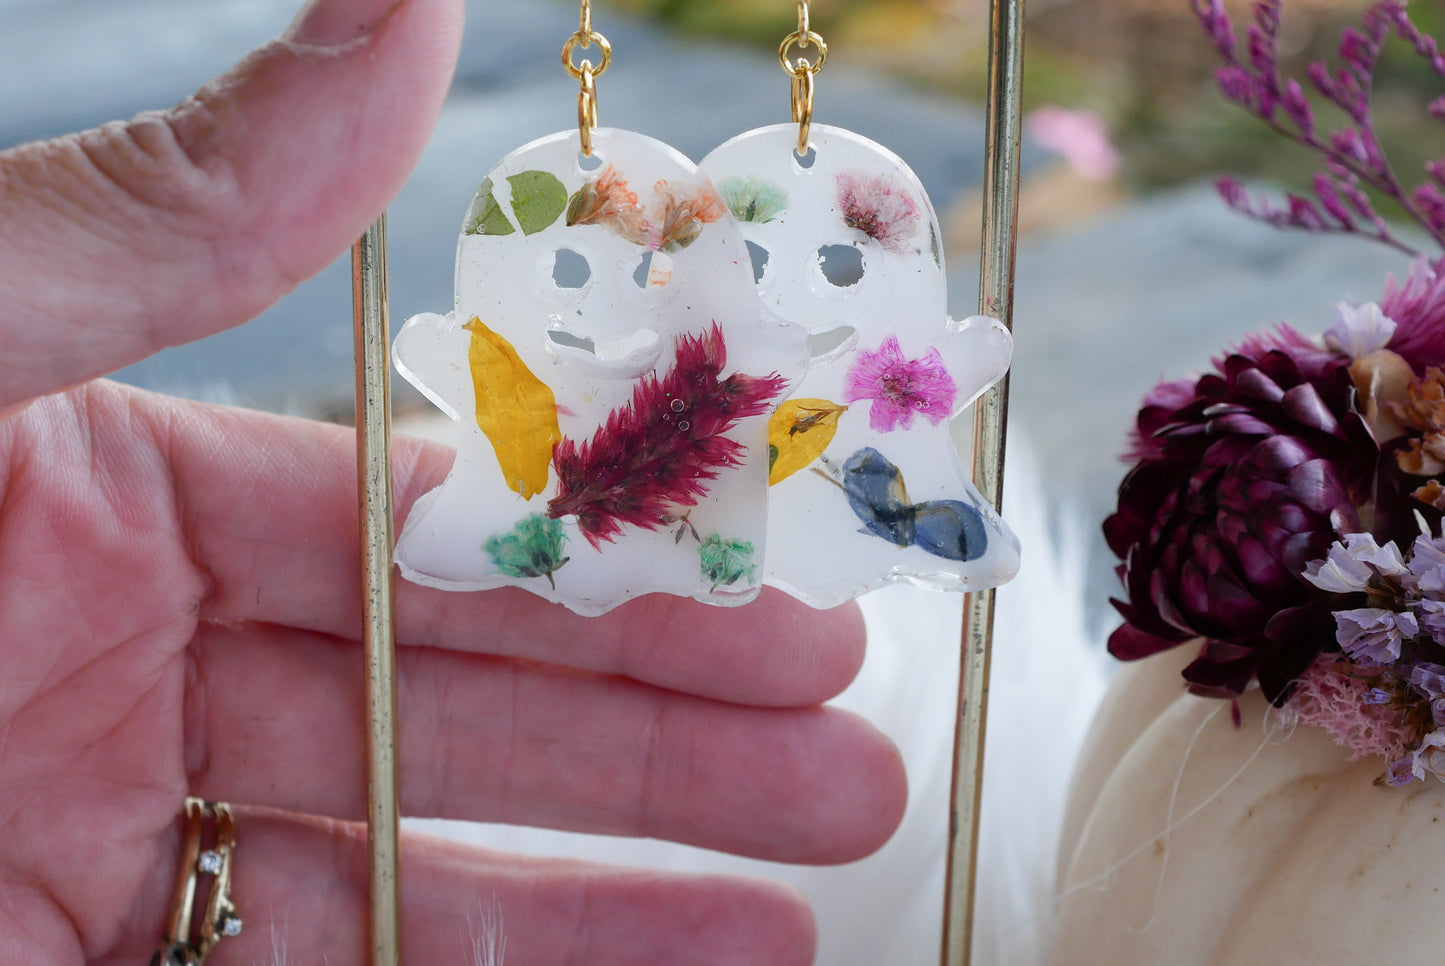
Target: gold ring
[{"x": 207, "y": 857}]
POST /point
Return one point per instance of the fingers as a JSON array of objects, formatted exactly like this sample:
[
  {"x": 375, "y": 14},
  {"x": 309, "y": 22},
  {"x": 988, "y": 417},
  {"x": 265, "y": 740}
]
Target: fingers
[
  {"x": 135, "y": 236},
  {"x": 269, "y": 506},
  {"x": 502, "y": 741},
  {"x": 300, "y": 886}
]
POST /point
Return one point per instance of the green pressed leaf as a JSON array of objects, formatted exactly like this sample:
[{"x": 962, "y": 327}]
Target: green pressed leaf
[
  {"x": 538, "y": 200},
  {"x": 485, "y": 216}
]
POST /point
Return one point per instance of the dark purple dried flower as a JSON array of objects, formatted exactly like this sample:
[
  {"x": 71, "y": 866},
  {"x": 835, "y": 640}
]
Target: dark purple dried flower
[
  {"x": 1241, "y": 484},
  {"x": 659, "y": 451}
]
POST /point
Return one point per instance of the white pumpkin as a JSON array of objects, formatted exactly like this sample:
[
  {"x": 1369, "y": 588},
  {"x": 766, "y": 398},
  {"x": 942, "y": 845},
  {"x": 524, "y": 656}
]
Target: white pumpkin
[{"x": 1190, "y": 842}]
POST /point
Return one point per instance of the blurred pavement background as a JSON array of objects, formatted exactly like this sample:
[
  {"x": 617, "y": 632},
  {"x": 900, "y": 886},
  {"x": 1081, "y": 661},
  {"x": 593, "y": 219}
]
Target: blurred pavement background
[
  {"x": 1120, "y": 281},
  {"x": 1113, "y": 293}
]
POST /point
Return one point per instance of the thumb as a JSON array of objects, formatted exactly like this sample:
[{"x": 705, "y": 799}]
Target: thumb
[{"x": 120, "y": 241}]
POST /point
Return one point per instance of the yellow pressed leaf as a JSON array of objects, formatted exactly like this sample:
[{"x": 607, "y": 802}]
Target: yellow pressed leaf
[
  {"x": 515, "y": 410},
  {"x": 798, "y": 432}
]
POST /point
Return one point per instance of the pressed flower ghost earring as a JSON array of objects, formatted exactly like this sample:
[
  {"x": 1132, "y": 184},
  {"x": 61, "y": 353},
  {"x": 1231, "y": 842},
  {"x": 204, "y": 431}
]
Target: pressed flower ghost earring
[
  {"x": 866, "y": 487},
  {"x": 611, "y": 390}
]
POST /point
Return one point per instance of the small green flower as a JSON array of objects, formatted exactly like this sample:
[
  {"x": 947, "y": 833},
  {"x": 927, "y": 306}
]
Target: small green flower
[
  {"x": 726, "y": 561},
  {"x": 753, "y": 199},
  {"x": 532, "y": 549}
]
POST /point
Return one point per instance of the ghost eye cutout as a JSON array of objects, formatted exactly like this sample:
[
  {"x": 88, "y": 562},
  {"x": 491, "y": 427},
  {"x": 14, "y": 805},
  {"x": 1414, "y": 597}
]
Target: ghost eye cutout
[
  {"x": 831, "y": 344},
  {"x": 569, "y": 269},
  {"x": 759, "y": 256},
  {"x": 841, "y": 265},
  {"x": 653, "y": 271},
  {"x": 587, "y": 163}
]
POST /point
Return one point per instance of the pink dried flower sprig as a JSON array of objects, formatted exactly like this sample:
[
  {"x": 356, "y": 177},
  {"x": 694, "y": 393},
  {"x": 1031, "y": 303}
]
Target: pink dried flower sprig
[
  {"x": 900, "y": 388},
  {"x": 880, "y": 207},
  {"x": 659, "y": 452},
  {"x": 1354, "y": 159},
  {"x": 679, "y": 214}
]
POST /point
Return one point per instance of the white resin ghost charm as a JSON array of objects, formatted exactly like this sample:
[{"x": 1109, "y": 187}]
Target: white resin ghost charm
[
  {"x": 612, "y": 384},
  {"x": 866, "y": 485}
]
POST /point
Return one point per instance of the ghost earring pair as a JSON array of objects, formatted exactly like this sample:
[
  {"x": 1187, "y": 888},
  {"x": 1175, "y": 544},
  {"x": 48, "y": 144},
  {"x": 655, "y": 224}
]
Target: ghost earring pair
[
  {"x": 866, "y": 487},
  {"x": 611, "y": 391},
  {"x": 628, "y": 425}
]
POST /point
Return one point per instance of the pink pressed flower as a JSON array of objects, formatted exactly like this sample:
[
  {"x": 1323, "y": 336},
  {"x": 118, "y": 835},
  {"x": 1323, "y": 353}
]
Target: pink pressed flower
[
  {"x": 879, "y": 207},
  {"x": 900, "y": 387}
]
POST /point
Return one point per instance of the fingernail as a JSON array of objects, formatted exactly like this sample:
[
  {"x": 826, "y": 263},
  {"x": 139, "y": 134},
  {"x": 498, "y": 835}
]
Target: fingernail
[{"x": 332, "y": 23}]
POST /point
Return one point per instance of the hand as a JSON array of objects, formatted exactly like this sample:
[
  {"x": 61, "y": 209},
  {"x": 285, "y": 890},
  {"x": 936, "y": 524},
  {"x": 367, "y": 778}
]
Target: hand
[{"x": 181, "y": 591}]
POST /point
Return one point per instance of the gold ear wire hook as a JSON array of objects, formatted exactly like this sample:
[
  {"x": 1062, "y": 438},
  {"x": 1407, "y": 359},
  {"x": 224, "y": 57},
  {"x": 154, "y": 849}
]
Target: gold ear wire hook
[
  {"x": 587, "y": 73},
  {"x": 802, "y": 70}
]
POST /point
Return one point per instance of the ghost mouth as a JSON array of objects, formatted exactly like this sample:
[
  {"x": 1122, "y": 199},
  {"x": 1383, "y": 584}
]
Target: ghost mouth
[
  {"x": 829, "y": 345},
  {"x": 625, "y": 357}
]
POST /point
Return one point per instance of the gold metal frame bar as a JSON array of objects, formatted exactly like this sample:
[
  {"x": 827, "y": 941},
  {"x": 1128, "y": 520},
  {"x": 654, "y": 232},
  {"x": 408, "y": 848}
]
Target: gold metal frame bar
[
  {"x": 373, "y": 453},
  {"x": 995, "y": 298}
]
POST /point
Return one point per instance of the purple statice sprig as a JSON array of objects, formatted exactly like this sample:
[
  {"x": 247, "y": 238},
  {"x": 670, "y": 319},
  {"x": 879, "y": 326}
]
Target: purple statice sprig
[
  {"x": 1354, "y": 159},
  {"x": 1391, "y": 649}
]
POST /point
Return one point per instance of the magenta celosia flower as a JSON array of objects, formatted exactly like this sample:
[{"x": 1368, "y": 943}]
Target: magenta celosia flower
[
  {"x": 879, "y": 207},
  {"x": 899, "y": 388},
  {"x": 662, "y": 449}
]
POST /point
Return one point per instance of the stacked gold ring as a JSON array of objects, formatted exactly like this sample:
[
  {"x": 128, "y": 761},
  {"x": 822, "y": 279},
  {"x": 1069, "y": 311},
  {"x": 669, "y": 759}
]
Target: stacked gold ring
[
  {"x": 184, "y": 945},
  {"x": 802, "y": 70}
]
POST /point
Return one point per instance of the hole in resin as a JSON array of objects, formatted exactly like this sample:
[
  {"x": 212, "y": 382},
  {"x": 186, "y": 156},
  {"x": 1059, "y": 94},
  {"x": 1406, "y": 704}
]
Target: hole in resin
[
  {"x": 626, "y": 356},
  {"x": 589, "y": 162},
  {"x": 654, "y": 270},
  {"x": 569, "y": 269},
  {"x": 841, "y": 265},
  {"x": 822, "y": 343},
  {"x": 564, "y": 338},
  {"x": 759, "y": 255},
  {"x": 644, "y": 265},
  {"x": 807, "y": 159}
]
